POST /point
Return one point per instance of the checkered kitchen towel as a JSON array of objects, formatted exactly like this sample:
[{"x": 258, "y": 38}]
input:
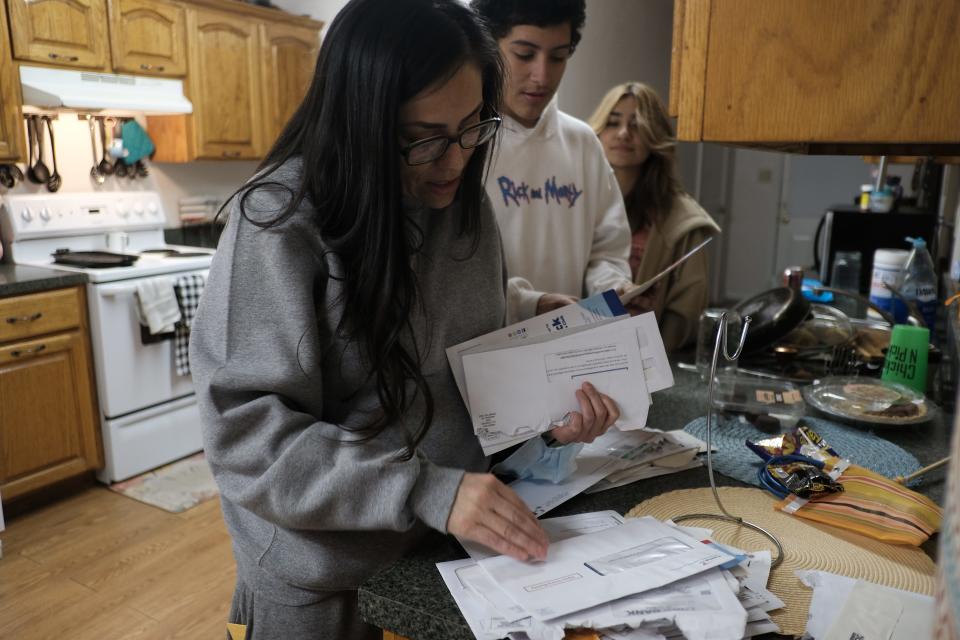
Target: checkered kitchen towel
[{"x": 188, "y": 288}]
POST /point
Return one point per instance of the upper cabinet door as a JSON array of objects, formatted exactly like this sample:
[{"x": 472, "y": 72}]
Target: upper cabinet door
[
  {"x": 818, "y": 74},
  {"x": 225, "y": 85},
  {"x": 148, "y": 37},
  {"x": 11, "y": 129},
  {"x": 289, "y": 57},
  {"x": 60, "y": 32}
]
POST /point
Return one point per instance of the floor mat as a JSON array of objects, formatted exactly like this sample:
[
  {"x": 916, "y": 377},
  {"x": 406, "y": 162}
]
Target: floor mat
[{"x": 176, "y": 487}]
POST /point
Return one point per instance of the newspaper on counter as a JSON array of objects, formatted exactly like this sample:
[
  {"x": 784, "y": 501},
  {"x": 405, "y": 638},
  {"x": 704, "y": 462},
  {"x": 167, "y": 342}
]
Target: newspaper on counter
[{"x": 614, "y": 459}]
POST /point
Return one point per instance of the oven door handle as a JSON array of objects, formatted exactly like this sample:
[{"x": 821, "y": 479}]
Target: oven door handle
[{"x": 116, "y": 293}]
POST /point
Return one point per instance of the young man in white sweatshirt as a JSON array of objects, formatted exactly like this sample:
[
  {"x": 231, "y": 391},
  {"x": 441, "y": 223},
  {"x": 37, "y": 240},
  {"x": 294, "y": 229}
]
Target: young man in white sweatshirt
[{"x": 561, "y": 215}]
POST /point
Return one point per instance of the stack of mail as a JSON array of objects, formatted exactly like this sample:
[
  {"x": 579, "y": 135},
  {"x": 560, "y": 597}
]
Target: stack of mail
[
  {"x": 645, "y": 454},
  {"x": 520, "y": 381},
  {"x": 640, "y": 578},
  {"x": 614, "y": 459}
]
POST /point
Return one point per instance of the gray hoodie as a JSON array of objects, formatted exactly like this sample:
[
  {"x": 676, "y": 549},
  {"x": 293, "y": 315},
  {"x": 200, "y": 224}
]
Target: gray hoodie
[{"x": 279, "y": 389}]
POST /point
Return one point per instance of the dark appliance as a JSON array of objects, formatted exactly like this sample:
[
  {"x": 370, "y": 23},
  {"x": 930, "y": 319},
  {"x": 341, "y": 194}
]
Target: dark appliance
[{"x": 847, "y": 228}]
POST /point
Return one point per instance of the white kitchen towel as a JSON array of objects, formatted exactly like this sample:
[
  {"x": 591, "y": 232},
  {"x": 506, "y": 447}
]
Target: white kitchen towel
[
  {"x": 189, "y": 288},
  {"x": 159, "y": 309}
]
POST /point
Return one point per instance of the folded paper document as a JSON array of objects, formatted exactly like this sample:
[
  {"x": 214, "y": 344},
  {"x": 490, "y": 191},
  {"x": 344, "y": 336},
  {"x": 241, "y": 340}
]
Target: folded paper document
[
  {"x": 602, "y": 307},
  {"x": 633, "y": 292},
  {"x": 516, "y": 392}
]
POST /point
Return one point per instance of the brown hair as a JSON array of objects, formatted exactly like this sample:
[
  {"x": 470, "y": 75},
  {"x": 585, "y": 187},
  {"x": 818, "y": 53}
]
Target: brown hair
[{"x": 652, "y": 197}]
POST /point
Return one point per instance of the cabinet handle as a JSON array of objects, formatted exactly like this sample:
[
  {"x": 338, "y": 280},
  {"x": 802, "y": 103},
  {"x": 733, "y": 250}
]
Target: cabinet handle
[
  {"x": 57, "y": 56},
  {"x": 150, "y": 67},
  {"x": 16, "y": 353},
  {"x": 231, "y": 154},
  {"x": 30, "y": 318}
]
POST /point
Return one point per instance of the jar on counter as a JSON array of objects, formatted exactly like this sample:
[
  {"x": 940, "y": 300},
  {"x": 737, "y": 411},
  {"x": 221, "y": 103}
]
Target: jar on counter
[
  {"x": 881, "y": 201},
  {"x": 888, "y": 268}
]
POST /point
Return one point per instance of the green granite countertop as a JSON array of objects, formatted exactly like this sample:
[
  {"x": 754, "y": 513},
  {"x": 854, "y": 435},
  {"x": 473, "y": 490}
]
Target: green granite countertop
[
  {"x": 16, "y": 280},
  {"x": 410, "y": 598}
]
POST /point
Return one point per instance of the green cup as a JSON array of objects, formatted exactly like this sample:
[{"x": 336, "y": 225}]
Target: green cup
[{"x": 906, "y": 360}]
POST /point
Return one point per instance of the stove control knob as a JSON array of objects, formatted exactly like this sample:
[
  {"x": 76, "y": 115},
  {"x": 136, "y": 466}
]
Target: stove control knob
[
  {"x": 153, "y": 209},
  {"x": 138, "y": 209},
  {"x": 27, "y": 215},
  {"x": 123, "y": 211},
  {"x": 45, "y": 214}
]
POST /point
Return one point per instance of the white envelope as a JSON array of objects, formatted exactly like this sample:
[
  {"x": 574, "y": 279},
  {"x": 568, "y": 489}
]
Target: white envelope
[
  {"x": 527, "y": 389},
  {"x": 599, "y": 308},
  {"x": 589, "y": 570}
]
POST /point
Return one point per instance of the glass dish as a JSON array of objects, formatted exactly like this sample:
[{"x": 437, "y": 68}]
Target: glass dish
[
  {"x": 824, "y": 328},
  {"x": 758, "y": 396},
  {"x": 869, "y": 401}
]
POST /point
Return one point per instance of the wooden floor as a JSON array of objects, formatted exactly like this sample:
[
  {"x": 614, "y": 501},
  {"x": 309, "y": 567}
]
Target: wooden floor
[{"x": 99, "y": 566}]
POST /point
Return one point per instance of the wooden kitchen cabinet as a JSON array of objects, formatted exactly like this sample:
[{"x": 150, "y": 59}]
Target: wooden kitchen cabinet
[
  {"x": 224, "y": 85},
  {"x": 48, "y": 411},
  {"x": 71, "y": 33},
  {"x": 289, "y": 55},
  {"x": 825, "y": 76},
  {"x": 248, "y": 69},
  {"x": 11, "y": 130},
  {"x": 148, "y": 37}
]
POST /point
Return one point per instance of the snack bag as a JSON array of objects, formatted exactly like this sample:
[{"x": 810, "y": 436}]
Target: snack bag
[{"x": 816, "y": 483}]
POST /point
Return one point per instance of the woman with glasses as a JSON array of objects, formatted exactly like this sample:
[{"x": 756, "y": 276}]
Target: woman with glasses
[
  {"x": 361, "y": 249},
  {"x": 665, "y": 222}
]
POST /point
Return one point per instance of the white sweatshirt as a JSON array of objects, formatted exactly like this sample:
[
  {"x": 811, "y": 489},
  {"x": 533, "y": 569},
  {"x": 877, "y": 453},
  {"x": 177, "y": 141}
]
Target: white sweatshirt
[{"x": 561, "y": 215}]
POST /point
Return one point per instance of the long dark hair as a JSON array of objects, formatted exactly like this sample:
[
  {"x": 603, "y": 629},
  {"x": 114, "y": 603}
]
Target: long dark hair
[
  {"x": 376, "y": 55},
  {"x": 658, "y": 185}
]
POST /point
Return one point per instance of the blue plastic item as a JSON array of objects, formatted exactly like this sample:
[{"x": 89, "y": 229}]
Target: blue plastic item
[{"x": 807, "y": 287}]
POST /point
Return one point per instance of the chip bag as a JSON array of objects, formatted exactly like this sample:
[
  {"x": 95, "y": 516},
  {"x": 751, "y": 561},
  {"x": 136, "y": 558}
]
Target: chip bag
[{"x": 869, "y": 503}]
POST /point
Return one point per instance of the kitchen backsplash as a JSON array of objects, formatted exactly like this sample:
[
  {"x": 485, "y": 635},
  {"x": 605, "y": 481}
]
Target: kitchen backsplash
[{"x": 173, "y": 181}]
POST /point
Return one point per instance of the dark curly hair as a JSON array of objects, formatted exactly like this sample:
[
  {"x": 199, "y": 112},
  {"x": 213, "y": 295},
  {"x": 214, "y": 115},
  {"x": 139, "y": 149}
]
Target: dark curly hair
[{"x": 503, "y": 15}]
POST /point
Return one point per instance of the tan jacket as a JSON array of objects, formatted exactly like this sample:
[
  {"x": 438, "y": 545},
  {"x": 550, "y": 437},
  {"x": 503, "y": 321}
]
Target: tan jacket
[{"x": 682, "y": 296}]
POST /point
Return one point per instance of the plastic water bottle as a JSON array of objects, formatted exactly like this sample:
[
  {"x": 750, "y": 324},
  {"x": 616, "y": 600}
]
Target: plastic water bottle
[{"x": 920, "y": 282}]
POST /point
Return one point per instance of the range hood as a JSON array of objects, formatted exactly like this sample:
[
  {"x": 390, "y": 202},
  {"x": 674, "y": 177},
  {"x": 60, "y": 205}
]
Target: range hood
[{"x": 93, "y": 91}]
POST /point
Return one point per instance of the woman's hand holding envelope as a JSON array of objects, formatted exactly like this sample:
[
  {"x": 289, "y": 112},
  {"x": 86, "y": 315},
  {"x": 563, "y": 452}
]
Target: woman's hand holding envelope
[{"x": 597, "y": 413}]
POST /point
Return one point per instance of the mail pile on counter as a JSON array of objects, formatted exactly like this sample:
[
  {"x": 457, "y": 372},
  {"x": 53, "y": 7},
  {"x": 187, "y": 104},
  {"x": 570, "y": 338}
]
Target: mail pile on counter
[
  {"x": 637, "y": 579},
  {"x": 614, "y": 459},
  {"x": 521, "y": 380}
]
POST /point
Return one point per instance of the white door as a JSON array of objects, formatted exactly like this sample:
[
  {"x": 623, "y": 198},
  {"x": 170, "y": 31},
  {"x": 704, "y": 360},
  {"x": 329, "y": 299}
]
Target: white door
[{"x": 751, "y": 231}]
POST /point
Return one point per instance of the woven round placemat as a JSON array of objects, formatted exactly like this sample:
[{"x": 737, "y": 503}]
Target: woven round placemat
[
  {"x": 734, "y": 460},
  {"x": 807, "y": 545}
]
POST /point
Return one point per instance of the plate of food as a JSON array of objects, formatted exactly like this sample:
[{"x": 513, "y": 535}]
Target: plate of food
[{"x": 869, "y": 401}]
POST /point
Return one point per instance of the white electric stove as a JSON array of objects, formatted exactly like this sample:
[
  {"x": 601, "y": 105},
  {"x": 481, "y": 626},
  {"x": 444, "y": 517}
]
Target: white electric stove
[{"x": 148, "y": 412}]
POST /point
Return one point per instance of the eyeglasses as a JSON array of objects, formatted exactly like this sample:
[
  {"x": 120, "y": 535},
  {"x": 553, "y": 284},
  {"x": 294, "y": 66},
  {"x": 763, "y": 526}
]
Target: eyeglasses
[{"x": 430, "y": 149}]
